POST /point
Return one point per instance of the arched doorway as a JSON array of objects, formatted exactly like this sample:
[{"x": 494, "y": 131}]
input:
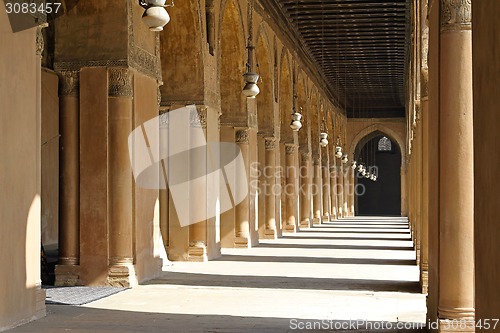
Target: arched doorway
[{"x": 382, "y": 156}]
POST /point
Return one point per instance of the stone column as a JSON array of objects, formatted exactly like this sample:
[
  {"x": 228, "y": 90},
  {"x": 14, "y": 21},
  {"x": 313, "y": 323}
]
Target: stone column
[
  {"x": 242, "y": 213},
  {"x": 325, "y": 173},
  {"x": 67, "y": 270},
  {"x": 305, "y": 190},
  {"x": 316, "y": 190},
  {"x": 340, "y": 190},
  {"x": 404, "y": 189},
  {"x": 333, "y": 188},
  {"x": 351, "y": 191},
  {"x": 456, "y": 175},
  {"x": 270, "y": 198},
  {"x": 120, "y": 118},
  {"x": 424, "y": 103},
  {"x": 198, "y": 247},
  {"x": 290, "y": 224},
  {"x": 346, "y": 191},
  {"x": 418, "y": 186}
]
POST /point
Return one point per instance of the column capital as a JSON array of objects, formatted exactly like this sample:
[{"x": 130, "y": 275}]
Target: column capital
[
  {"x": 242, "y": 136},
  {"x": 270, "y": 142},
  {"x": 69, "y": 83},
  {"x": 290, "y": 148},
  {"x": 456, "y": 14},
  {"x": 120, "y": 82},
  {"x": 198, "y": 117},
  {"x": 304, "y": 155}
]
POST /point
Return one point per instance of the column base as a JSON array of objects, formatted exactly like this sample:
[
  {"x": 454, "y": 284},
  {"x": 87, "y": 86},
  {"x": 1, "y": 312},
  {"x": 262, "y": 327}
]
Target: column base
[
  {"x": 67, "y": 275},
  {"x": 269, "y": 234},
  {"x": 456, "y": 325},
  {"x": 290, "y": 228},
  {"x": 197, "y": 252},
  {"x": 424, "y": 280},
  {"x": 305, "y": 223},
  {"x": 242, "y": 242},
  {"x": 122, "y": 276},
  {"x": 316, "y": 221},
  {"x": 326, "y": 218}
]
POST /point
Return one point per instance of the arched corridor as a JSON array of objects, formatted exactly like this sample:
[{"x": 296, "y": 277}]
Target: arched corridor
[
  {"x": 225, "y": 165},
  {"x": 360, "y": 272}
]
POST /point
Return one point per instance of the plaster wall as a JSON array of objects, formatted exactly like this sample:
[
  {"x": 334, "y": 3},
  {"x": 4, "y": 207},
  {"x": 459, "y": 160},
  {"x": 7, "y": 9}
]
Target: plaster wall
[{"x": 20, "y": 177}]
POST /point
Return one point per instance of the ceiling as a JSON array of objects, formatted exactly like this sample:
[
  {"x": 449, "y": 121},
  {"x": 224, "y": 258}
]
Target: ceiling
[{"x": 359, "y": 45}]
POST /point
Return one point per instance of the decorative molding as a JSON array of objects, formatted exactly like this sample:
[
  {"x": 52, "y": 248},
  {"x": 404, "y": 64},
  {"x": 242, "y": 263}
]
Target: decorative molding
[
  {"x": 69, "y": 83},
  {"x": 270, "y": 142},
  {"x": 315, "y": 160},
  {"x": 77, "y": 65},
  {"x": 120, "y": 82},
  {"x": 40, "y": 42},
  {"x": 199, "y": 118},
  {"x": 290, "y": 148},
  {"x": 163, "y": 119},
  {"x": 242, "y": 137},
  {"x": 456, "y": 14}
]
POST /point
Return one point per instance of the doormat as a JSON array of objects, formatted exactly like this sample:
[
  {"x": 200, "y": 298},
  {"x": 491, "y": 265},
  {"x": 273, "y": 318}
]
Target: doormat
[{"x": 78, "y": 295}]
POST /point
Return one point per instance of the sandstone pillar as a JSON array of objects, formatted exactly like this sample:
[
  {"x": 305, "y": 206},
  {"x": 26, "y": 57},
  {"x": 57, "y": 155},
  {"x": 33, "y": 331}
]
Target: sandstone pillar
[
  {"x": 333, "y": 190},
  {"x": 325, "y": 173},
  {"x": 290, "y": 224},
  {"x": 120, "y": 120},
  {"x": 340, "y": 190},
  {"x": 346, "y": 192},
  {"x": 305, "y": 190},
  {"x": 316, "y": 190},
  {"x": 456, "y": 236},
  {"x": 67, "y": 270},
  {"x": 351, "y": 191},
  {"x": 270, "y": 188},
  {"x": 242, "y": 213}
]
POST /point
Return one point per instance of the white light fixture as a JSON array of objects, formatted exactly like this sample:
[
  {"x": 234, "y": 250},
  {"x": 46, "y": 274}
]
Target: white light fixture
[
  {"x": 367, "y": 175},
  {"x": 296, "y": 124},
  {"x": 345, "y": 159},
  {"x": 323, "y": 139},
  {"x": 353, "y": 165},
  {"x": 155, "y": 16},
  {"x": 360, "y": 168},
  {"x": 251, "y": 89},
  {"x": 338, "y": 152}
]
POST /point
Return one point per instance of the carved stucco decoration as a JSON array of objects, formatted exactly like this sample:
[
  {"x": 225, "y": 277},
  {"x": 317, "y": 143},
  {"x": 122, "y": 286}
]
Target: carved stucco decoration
[
  {"x": 270, "y": 143},
  {"x": 120, "y": 82},
  {"x": 70, "y": 83},
  {"x": 289, "y": 148},
  {"x": 456, "y": 14},
  {"x": 242, "y": 137}
]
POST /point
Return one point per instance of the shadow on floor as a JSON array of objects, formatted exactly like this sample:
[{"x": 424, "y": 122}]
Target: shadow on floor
[
  {"x": 75, "y": 319},
  {"x": 335, "y": 247},
  {"x": 350, "y": 238},
  {"x": 285, "y": 282},
  {"x": 319, "y": 260}
]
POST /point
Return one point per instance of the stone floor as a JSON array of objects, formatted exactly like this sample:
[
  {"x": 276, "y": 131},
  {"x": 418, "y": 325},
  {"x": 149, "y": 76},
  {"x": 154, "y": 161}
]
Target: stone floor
[{"x": 355, "y": 275}]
